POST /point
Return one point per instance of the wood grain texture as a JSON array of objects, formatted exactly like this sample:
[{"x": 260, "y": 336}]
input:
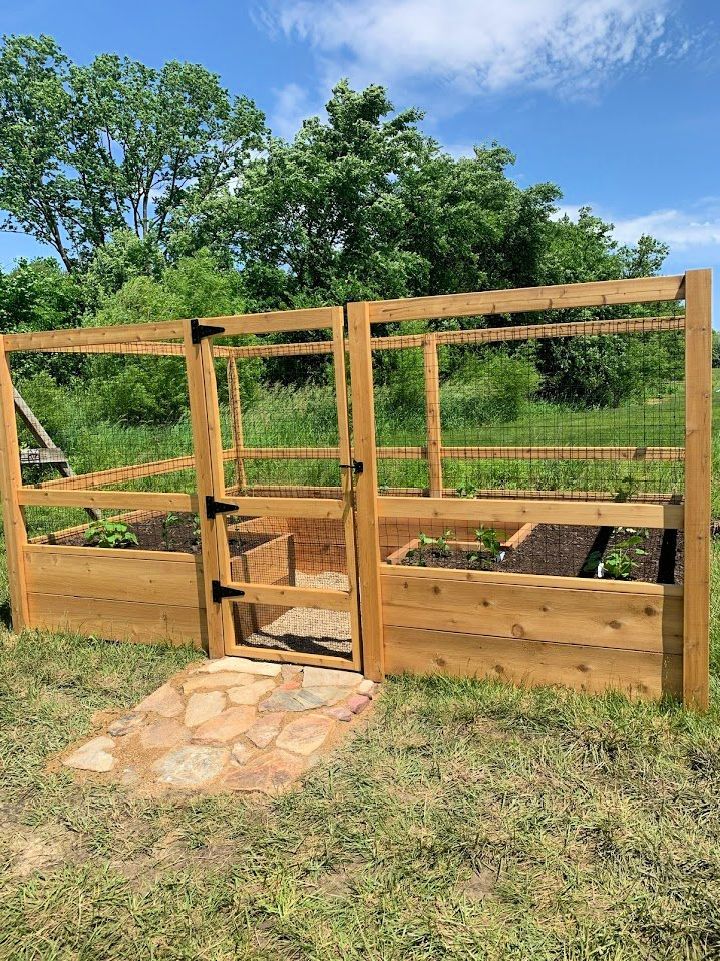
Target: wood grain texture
[
  {"x": 366, "y": 499},
  {"x": 698, "y": 469},
  {"x": 93, "y": 336},
  {"x": 432, "y": 415},
  {"x": 521, "y": 300},
  {"x": 532, "y": 663},
  {"x": 642, "y": 622},
  {"x": 10, "y": 480},
  {"x": 133, "y": 500},
  {"x": 118, "y": 620},
  {"x": 595, "y": 513},
  {"x": 115, "y": 575}
]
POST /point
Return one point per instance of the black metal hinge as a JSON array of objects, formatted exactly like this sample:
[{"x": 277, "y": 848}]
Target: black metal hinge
[
  {"x": 199, "y": 331},
  {"x": 213, "y": 507},
  {"x": 356, "y": 466},
  {"x": 220, "y": 591}
]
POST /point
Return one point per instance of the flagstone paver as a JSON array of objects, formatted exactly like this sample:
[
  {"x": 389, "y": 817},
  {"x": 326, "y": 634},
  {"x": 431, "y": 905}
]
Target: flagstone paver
[
  {"x": 92, "y": 756},
  {"x": 191, "y": 765},
  {"x": 251, "y": 693},
  {"x": 265, "y": 729},
  {"x": 202, "y": 706},
  {"x": 211, "y": 682},
  {"x": 228, "y": 725},
  {"x": 166, "y": 702},
  {"x": 305, "y": 735},
  {"x": 268, "y": 773},
  {"x": 318, "y": 676},
  {"x": 165, "y": 733}
]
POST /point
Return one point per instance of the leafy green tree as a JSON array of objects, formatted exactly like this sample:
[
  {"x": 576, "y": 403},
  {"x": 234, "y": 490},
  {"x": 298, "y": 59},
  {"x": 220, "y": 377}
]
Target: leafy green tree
[{"x": 86, "y": 151}]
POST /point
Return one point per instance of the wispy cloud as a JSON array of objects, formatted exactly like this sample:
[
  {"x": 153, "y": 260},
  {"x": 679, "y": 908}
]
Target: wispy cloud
[
  {"x": 567, "y": 46},
  {"x": 695, "y": 229},
  {"x": 293, "y": 104}
]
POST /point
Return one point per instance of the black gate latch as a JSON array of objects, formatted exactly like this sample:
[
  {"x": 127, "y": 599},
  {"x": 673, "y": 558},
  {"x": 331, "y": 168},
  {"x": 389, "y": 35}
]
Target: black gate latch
[
  {"x": 356, "y": 466},
  {"x": 213, "y": 507},
  {"x": 199, "y": 331},
  {"x": 220, "y": 591}
]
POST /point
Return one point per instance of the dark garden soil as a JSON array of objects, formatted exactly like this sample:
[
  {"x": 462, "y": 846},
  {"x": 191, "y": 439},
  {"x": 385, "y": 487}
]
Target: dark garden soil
[
  {"x": 179, "y": 534},
  {"x": 564, "y": 550}
]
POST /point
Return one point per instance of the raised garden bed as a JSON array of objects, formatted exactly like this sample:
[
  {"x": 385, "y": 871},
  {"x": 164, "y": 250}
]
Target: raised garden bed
[{"x": 560, "y": 550}]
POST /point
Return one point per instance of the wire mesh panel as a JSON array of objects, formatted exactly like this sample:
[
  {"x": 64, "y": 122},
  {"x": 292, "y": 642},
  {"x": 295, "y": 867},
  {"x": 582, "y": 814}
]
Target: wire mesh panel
[
  {"x": 108, "y": 417},
  {"x": 283, "y": 422},
  {"x": 534, "y": 412}
]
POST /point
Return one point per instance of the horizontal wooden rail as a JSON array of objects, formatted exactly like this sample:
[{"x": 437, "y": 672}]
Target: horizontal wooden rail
[
  {"x": 602, "y": 293},
  {"x": 564, "y": 453},
  {"x": 485, "y": 335},
  {"x": 275, "y": 322},
  {"x": 93, "y": 336},
  {"x": 317, "y": 598},
  {"x": 535, "y": 580},
  {"x": 594, "y": 514},
  {"x": 314, "y": 507},
  {"x": 140, "y": 500}
]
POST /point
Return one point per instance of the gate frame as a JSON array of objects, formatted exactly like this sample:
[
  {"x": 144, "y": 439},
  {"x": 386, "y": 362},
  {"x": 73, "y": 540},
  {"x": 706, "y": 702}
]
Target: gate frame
[{"x": 211, "y": 484}]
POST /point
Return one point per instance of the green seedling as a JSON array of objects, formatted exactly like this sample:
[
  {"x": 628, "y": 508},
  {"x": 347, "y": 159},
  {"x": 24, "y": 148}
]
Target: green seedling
[
  {"x": 622, "y": 558},
  {"x": 168, "y": 522},
  {"x": 110, "y": 534},
  {"x": 489, "y": 546},
  {"x": 436, "y": 545}
]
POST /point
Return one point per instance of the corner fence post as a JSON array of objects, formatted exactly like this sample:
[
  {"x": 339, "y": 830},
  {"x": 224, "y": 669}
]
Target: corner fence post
[
  {"x": 10, "y": 482},
  {"x": 197, "y": 358},
  {"x": 698, "y": 459},
  {"x": 368, "y": 543}
]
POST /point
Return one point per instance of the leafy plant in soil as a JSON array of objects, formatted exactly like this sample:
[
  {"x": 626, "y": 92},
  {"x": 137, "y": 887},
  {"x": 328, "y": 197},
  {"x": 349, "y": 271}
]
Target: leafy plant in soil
[
  {"x": 489, "y": 547},
  {"x": 620, "y": 561},
  {"x": 168, "y": 522},
  {"x": 110, "y": 534},
  {"x": 432, "y": 546}
]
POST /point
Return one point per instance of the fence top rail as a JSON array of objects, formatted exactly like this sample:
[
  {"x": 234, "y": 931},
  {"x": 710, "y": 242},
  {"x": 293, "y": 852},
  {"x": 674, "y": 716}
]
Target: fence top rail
[
  {"x": 133, "y": 335},
  {"x": 602, "y": 293}
]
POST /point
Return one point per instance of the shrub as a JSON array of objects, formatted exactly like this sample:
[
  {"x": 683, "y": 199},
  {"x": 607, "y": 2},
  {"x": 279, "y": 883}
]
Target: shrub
[{"x": 491, "y": 388}]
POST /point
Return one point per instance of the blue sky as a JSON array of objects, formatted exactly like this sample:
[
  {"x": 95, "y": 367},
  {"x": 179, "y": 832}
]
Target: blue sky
[{"x": 617, "y": 101}]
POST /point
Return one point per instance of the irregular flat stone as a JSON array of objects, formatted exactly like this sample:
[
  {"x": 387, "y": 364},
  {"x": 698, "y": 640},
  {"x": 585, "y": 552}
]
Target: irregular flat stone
[
  {"x": 226, "y": 726},
  {"x": 357, "y": 703},
  {"x": 92, "y": 756},
  {"x": 339, "y": 713},
  {"x": 251, "y": 693},
  {"x": 202, "y": 706},
  {"x": 166, "y": 702},
  {"x": 330, "y": 677},
  {"x": 292, "y": 683},
  {"x": 305, "y": 735},
  {"x": 328, "y": 694},
  {"x": 291, "y": 701},
  {"x": 242, "y": 753},
  {"x": 367, "y": 687},
  {"x": 191, "y": 765},
  {"x": 269, "y": 773},
  {"x": 166, "y": 733},
  {"x": 243, "y": 665},
  {"x": 128, "y": 722},
  {"x": 290, "y": 670},
  {"x": 265, "y": 729},
  {"x": 209, "y": 682}
]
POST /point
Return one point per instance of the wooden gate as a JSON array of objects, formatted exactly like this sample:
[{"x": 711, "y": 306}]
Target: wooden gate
[{"x": 279, "y": 559}]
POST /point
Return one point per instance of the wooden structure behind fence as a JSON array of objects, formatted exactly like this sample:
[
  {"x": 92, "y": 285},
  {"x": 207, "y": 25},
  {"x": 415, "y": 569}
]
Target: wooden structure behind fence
[{"x": 643, "y": 638}]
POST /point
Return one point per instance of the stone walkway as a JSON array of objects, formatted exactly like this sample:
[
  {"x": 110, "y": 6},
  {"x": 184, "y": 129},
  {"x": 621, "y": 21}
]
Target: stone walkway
[{"x": 229, "y": 725}]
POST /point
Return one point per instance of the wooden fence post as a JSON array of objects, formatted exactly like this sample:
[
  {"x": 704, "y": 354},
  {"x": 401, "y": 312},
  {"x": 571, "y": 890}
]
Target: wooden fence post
[
  {"x": 237, "y": 422},
  {"x": 698, "y": 450},
  {"x": 197, "y": 356},
  {"x": 10, "y": 482},
  {"x": 432, "y": 415},
  {"x": 368, "y": 544}
]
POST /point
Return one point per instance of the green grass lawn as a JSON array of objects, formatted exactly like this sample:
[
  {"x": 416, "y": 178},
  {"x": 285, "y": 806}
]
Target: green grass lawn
[{"x": 468, "y": 820}]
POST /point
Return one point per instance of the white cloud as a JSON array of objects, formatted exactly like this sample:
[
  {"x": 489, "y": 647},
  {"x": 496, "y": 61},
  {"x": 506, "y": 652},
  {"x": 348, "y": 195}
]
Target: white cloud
[
  {"x": 696, "y": 229},
  {"x": 293, "y": 104},
  {"x": 569, "y": 46}
]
